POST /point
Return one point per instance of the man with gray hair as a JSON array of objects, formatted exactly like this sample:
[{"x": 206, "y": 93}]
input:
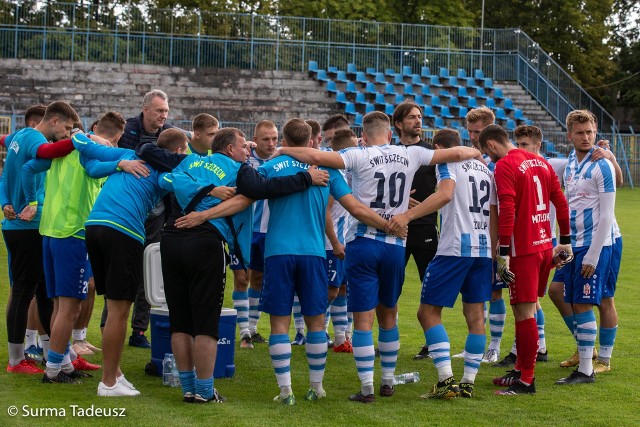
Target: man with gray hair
[{"x": 142, "y": 128}]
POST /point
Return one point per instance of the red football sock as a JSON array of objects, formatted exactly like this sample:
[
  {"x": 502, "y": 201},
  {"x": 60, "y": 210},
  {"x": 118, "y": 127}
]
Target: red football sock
[{"x": 527, "y": 346}]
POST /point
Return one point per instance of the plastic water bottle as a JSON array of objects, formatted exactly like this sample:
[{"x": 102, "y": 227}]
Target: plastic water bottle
[
  {"x": 175, "y": 375},
  {"x": 560, "y": 258},
  {"x": 410, "y": 377},
  {"x": 167, "y": 368}
]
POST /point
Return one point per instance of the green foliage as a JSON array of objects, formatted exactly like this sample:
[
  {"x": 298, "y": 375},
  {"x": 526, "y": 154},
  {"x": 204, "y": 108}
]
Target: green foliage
[{"x": 573, "y": 32}]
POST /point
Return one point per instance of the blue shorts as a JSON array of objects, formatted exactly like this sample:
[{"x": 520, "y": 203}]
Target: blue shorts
[
  {"x": 376, "y": 274},
  {"x": 285, "y": 275},
  {"x": 256, "y": 260},
  {"x": 235, "y": 263},
  {"x": 336, "y": 270},
  {"x": 65, "y": 267},
  {"x": 577, "y": 289},
  {"x": 560, "y": 274},
  {"x": 448, "y": 276},
  {"x": 609, "y": 289},
  {"x": 497, "y": 283},
  {"x": 89, "y": 270}
]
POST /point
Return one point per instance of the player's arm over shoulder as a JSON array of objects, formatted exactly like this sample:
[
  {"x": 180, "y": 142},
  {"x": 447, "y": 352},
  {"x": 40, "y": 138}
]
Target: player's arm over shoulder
[{"x": 455, "y": 154}]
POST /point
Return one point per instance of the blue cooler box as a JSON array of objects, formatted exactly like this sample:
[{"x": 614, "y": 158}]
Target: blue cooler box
[{"x": 159, "y": 321}]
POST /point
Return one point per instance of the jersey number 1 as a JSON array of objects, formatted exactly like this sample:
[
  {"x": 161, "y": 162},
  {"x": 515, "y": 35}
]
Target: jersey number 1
[{"x": 541, "y": 204}]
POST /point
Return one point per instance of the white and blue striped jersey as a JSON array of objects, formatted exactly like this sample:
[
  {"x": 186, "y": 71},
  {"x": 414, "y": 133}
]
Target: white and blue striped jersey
[
  {"x": 464, "y": 221},
  {"x": 584, "y": 181},
  {"x": 341, "y": 220},
  {"x": 260, "y": 207},
  {"x": 381, "y": 179},
  {"x": 616, "y": 229},
  {"x": 488, "y": 162},
  {"x": 558, "y": 165}
]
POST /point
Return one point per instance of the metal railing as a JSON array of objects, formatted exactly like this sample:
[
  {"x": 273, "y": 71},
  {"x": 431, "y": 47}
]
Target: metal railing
[{"x": 193, "y": 38}]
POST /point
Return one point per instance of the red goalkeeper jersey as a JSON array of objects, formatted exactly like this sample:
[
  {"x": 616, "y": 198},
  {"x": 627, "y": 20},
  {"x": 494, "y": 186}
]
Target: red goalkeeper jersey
[{"x": 526, "y": 184}]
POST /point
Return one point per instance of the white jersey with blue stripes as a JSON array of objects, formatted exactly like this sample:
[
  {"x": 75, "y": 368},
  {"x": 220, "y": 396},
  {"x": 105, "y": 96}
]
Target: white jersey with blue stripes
[
  {"x": 464, "y": 221},
  {"x": 381, "y": 179},
  {"x": 260, "y": 207},
  {"x": 340, "y": 218},
  {"x": 584, "y": 181},
  {"x": 558, "y": 164}
]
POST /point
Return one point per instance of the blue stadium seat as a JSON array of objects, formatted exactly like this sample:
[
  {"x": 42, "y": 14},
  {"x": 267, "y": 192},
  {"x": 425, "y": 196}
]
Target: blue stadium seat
[
  {"x": 480, "y": 94},
  {"x": 399, "y": 98},
  {"x": 508, "y": 104},
  {"x": 511, "y": 125},
  {"x": 371, "y": 71},
  {"x": 445, "y": 112},
  {"x": 425, "y": 72},
  {"x": 313, "y": 66},
  {"x": 452, "y": 82},
  {"x": 380, "y": 78},
  {"x": 331, "y": 86},
  {"x": 406, "y": 70},
  {"x": 428, "y": 112},
  {"x": 462, "y": 112},
  {"x": 497, "y": 93},
  {"x": 351, "y": 87},
  {"x": 491, "y": 103},
  {"x": 438, "y": 122},
  {"x": 389, "y": 72},
  {"x": 332, "y": 70},
  {"x": 322, "y": 76},
  {"x": 341, "y": 97},
  {"x": 472, "y": 103},
  {"x": 426, "y": 90},
  {"x": 488, "y": 83},
  {"x": 358, "y": 120},
  {"x": 398, "y": 79},
  {"x": 360, "y": 98},
  {"x": 462, "y": 73},
  {"x": 416, "y": 80},
  {"x": 370, "y": 88},
  {"x": 528, "y": 122},
  {"x": 351, "y": 68},
  {"x": 341, "y": 77},
  {"x": 444, "y": 73},
  {"x": 444, "y": 94},
  {"x": 361, "y": 77},
  {"x": 369, "y": 107},
  {"x": 380, "y": 99},
  {"x": 350, "y": 108},
  {"x": 456, "y": 125},
  {"x": 435, "y": 101},
  {"x": 408, "y": 89},
  {"x": 470, "y": 83},
  {"x": 434, "y": 81},
  {"x": 418, "y": 99},
  {"x": 462, "y": 93},
  {"x": 518, "y": 114},
  {"x": 550, "y": 150},
  {"x": 500, "y": 114},
  {"x": 453, "y": 102},
  {"x": 478, "y": 74},
  {"x": 388, "y": 109},
  {"x": 389, "y": 89},
  {"x": 464, "y": 134}
]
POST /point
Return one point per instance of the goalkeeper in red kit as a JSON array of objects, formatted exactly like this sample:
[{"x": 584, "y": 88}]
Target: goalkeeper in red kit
[{"x": 526, "y": 185}]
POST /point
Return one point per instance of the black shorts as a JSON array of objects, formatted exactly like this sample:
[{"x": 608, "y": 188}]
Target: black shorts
[
  {"x": 25, "y": 250},
  {"x": 422, "y": 243},
  {"x": 116, "y": 260},
  {"x": 194, "y": 274}
]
